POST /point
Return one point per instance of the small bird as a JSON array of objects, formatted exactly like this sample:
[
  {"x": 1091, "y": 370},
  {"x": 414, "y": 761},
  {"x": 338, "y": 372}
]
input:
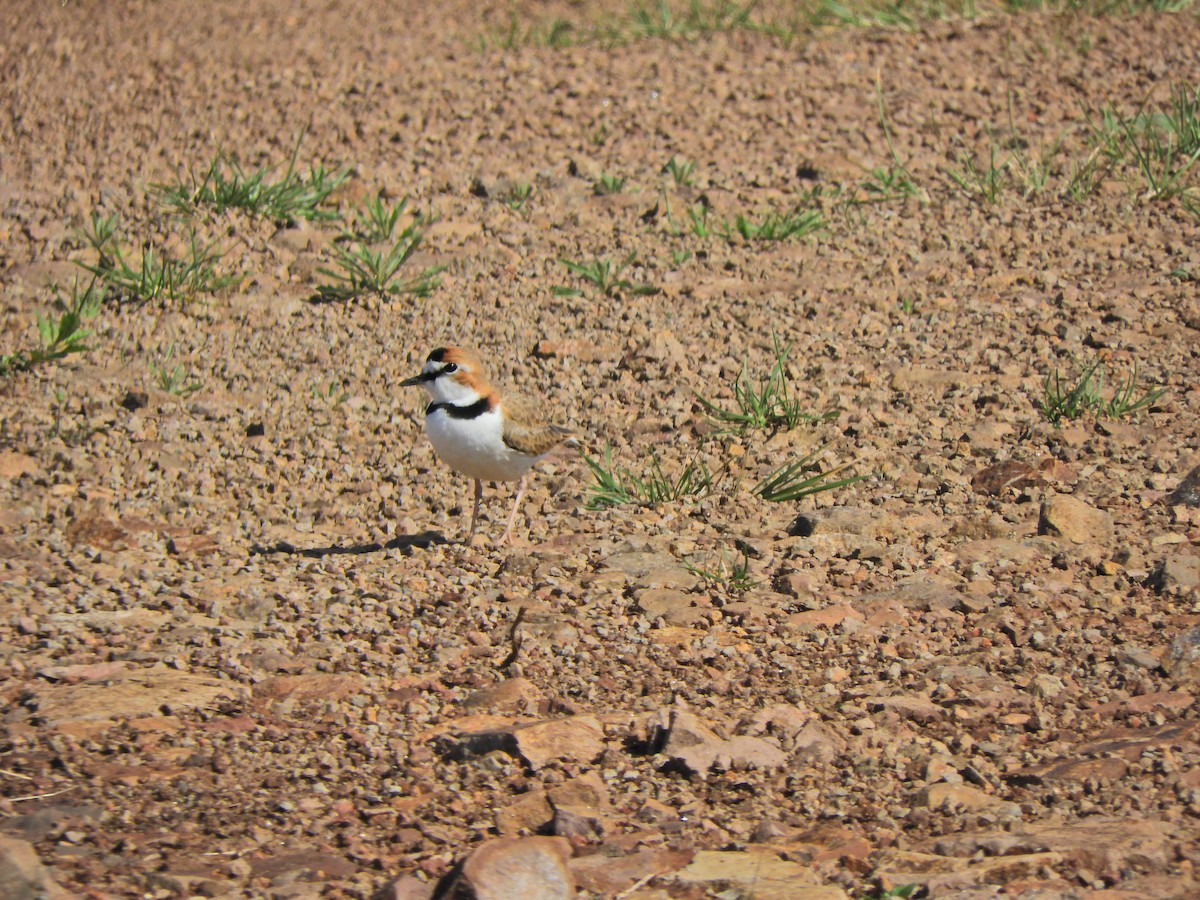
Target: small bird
[{"x": 478, "y": 432}]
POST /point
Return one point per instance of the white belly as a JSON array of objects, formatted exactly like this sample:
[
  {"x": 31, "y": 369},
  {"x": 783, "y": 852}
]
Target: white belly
[{"x": 475, "y": 446}]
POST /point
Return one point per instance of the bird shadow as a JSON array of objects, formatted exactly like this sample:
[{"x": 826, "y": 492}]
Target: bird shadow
[{"x": 405, "y": 543}]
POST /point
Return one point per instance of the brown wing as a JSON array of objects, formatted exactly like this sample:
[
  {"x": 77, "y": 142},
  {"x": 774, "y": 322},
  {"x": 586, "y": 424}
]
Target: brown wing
[{"x": 526, "y": 429}]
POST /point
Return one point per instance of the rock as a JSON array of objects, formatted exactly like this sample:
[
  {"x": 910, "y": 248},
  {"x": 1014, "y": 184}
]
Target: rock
[
  {"x": 313, "y": 686},
  {"x": 22, "y": 875},
  {"x": 673, "y": 606},
  {"x": 608, "y": 876},
  {"x": 14, "y": 465},
  {"x": 944, "y": 876},
  {"x": 1105, "y": 845},
  {"x": 921, "y": 592},
  {"x": 134, "y": 695},
  {"x": 577, "y": 739},
  {"x": 963, "y": 798},
  {"x": 760, "y": 871},
  {"x": 581, "y": 807},
  {"x": 690, "y": 744},
  {"x": 1046, "y": 686},
  {"x": 839, "y": 615},
  {"x": 1182, "y": 659},
  {"x": 1187, "y": 492},
  {"x": 408, "y": 887},
  {"x": 528, "y": 813},
  {"x": 1177, "y": 573},
  {"x": 511, "y": 868},
  {"x": 1066, "y": 517}
]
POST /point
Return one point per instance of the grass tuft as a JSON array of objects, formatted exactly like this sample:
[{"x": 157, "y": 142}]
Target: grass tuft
[
  {"x": 732, "y": 575},
  {"x": 617, "y": 486},
  {"x": 361, "y": 270},
  {"x": 604, "y": 275},
  {"x": 60, "y": 334},
  {"x": 766, "y": 403},
  {"x": 226, "y": 185},
  {"x": 173, "y": 380},
  {"x": 156, "y": 276},
  {"x": 802, "y": 478},
  {"x": 1085, "y": 395}
]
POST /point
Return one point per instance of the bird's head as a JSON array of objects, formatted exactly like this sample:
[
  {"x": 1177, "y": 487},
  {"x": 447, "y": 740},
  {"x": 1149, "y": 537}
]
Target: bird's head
[{"x": 451, "y": 375}]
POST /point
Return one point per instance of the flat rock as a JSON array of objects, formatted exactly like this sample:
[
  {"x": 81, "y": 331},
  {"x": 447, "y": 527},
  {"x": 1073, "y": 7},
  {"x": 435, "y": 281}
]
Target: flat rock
[
  {"x": 14, "y": 465},
  {"x": 1071, "y": 519},
  {"x": 761, "y": 871},
  {"x": 1177, "y": 573},
  {"x": 577, "y": 739},
  {"x": 135, "y": 695},
  {"x": 22, "y": 875},
  {"x": 608, "y": 876},
  {"x": 513, "y": 868},
  {"x": 519, "y": 695},
  {"x": 689, "y": 743},
  {"x": 1105, "y": 845}
]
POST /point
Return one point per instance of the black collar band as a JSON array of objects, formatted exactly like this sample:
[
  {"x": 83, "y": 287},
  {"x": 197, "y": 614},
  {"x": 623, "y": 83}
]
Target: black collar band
[{"x": 474, "y": 411}]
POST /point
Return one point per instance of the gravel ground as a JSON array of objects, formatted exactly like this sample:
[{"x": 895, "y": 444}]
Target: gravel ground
[{"x": 243, "y": 650}]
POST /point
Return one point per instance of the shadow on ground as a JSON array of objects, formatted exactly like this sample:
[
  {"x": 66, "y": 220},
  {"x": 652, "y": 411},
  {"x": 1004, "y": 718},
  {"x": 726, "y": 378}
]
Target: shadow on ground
[{"x": 405, "y": 543}]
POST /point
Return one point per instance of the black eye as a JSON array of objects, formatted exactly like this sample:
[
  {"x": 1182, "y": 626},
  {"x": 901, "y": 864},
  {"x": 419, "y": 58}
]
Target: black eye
[{"x": 449, "y": 367}]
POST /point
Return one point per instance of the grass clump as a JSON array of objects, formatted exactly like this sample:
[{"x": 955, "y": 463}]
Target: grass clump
[
  {"x": 605, "y": 276},
  {"x": 515, "y": 196},
  {"x": 681, "y": 170},
  {"x": 363, "y": 268},
  {"x": 1161, "y": 144},
  {"x": 60, "y": 334},
  {"x": 1085, "y": 396},
  {"x": 155, "y": 276},
  {"x": 173, "y": 380},
  {"x": 774, "y": 226},
  {"x": 802, "y": 478},
  {"x": 608, "y": 184},
  {"x": 617, "y": 486},
  {"x": 226, "y": 185},
  {"x": 767, "y": 403},
  {"x": 732, "y": 575}
]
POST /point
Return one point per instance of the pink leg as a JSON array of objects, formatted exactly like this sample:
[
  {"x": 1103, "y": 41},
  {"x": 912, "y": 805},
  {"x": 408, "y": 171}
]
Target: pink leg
[
  {"x": 512, "y": 516},
  {"x": 475, "y": 511}
]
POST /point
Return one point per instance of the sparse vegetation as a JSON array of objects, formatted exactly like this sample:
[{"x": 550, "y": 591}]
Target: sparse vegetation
[
  {"x": 155, "y": 276},
  {"x": 765, "y": 403},
  {"x": 774, "y": 226},
  {"x": 681, "y": 170},
  {"x": 802, "y": 478},
  {"x": 226, "y": 185},
  {"x": 61, "y": 333},
  {"x": 375, "y": 221},
  {"x": 1085, "y": 396},
  {"x": 608, "y": 184},
  {"x": 362, "y": 270},
  {"x": 616, "y": 486},
  {"x": 604, "y": 275},
  {"x": 174, "y": 380},
  {"x": 729, "y": 574},
  {"x": 516, "y": 195}
]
